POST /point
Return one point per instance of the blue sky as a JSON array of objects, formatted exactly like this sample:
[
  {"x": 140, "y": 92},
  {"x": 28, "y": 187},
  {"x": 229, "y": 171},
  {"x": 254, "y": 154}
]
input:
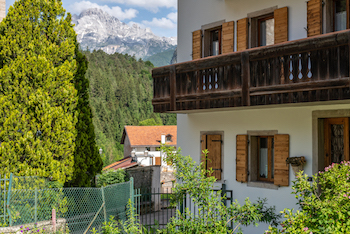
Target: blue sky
[{"x": 159, "y": 15}]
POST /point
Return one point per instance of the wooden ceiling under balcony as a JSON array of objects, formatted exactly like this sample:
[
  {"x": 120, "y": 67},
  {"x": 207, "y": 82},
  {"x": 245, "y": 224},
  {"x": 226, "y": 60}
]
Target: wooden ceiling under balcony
[{"x": 308, "y": 70}]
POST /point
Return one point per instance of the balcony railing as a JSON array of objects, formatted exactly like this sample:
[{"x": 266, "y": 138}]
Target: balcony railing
[{"x": 307, "y": 70}]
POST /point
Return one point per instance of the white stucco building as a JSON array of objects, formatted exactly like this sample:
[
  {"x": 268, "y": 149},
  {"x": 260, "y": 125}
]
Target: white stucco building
[
  {"x": 258, "y": 82},
  {"x": 2, "y": 9},
  {"x": 143, "y": 143}
]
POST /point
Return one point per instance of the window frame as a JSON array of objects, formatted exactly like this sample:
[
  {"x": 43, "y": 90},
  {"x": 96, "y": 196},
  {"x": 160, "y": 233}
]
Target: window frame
[
  {"x": 259, "y": 20},
  {"x": 270, "y": 157},
  {"x": 329, "y": 15},
  {"x": 253, "y": 164},
  {"x": 207, "y": 30},
  {"x": 253, "y": 24}
]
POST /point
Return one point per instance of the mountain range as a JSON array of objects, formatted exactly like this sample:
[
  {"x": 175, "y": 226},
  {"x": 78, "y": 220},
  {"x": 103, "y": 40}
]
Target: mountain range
[{"x": 97, "y": 30}]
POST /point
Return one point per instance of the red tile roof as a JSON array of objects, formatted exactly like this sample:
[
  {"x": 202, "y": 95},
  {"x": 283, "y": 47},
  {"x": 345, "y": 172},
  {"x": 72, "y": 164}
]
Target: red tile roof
[
  {"x": 124, "y": 163},
  {"x": 145, "y": 136}
]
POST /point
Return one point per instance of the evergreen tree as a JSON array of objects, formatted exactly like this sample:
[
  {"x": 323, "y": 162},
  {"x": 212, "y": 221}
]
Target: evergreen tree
[
  {"x": 38, "y": 98},
  {"x": 87, "y": 160}
]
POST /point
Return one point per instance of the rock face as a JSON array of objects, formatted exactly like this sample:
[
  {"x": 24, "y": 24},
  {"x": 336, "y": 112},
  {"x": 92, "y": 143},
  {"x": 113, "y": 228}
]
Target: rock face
[{"x": 97, "y": 30}]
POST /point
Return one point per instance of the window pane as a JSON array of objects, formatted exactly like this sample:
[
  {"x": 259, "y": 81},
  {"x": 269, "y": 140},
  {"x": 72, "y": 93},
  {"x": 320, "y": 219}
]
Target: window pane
[
  {"x": 267, "y": 32},
  {"x": 263, "y": 157},
  {"x": 270, "y": 32},
  {"x": 340, "y": 15},
  {"x": 215, "y": 43}
]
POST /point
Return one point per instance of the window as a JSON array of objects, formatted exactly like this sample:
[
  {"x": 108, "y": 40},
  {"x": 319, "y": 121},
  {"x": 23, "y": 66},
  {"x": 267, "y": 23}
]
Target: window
[
  {"x": 168, "y": 138},
  {"x": 265, "y": 158},
  {"x": 266, "y": 31},
  {"x": 212, "y": 41},
  {"x": 213, "y": 143},
  {"x": 261, "y": 159},
  {"x": 261, "y": 28},
  {"x": 339, "y": 15},
  {"x": 148, "y": 148},
  {"x": 335, "y": 15}
]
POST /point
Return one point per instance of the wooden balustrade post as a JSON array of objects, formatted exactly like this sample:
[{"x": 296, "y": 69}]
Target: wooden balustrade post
[
  {"x": 245, "y": 64},
  {"x": 172, "y": 88}
]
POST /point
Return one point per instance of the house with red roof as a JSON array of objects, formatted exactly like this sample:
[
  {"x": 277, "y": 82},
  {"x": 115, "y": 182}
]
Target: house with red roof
[{"x": 143, "y": 143}]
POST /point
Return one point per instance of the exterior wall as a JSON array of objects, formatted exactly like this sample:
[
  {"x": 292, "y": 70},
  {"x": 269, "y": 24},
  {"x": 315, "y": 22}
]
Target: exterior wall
[
  {"x": 292, "y": 120},
  {"x": 195, "y": 13},
  {"x": 2, "y": 9},
  {"x": 127, "y": 147},
  {"x": 145, "y": 161}
]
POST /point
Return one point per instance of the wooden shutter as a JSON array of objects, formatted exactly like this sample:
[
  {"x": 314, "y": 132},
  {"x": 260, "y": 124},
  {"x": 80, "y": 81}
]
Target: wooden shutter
[
  {"x": 242, "y": 158},
  {"x": 281, "y": 25},
  {"x": 228, "y": 29},
  {"x": 203, "y": 147},
  {"x": 242, "y": 34},
  {"x": 281, "y": 168},
  {"x": 214, "y": 155},
  {"x": 158, "y": 161},
  {"x": 314, "y": 17},
  {"x": 197, "y": 44}
]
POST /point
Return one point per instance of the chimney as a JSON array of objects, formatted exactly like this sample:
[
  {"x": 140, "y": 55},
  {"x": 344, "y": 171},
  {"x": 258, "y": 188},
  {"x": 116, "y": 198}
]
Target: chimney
[{"x": 163, "y": 139}]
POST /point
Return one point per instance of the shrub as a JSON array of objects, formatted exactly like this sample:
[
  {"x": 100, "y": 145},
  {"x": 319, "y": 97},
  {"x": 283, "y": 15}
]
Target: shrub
[
  {"x": 324, "y": 203},
  {"x": 213, "y": 215},
  {"x": 111, "y": 177}
]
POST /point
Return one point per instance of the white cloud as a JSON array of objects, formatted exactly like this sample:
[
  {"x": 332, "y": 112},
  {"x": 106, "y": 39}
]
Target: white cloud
[
  {"x": 151, "y": 5},
  {"x": 172, "y": 16},
  {"x": 160, "y": 23},
  {"x": 116, "y": 11}
]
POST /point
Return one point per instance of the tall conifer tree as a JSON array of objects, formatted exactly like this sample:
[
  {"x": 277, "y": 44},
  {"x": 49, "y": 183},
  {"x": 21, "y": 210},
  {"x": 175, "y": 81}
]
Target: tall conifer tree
[
  {"x": 87, "y": 161},
  {"x": 37, "y": 95}
]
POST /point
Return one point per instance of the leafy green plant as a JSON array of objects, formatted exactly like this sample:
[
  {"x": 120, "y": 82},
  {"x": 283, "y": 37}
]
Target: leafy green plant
[
  {"x": 213, "y": 215},
  {"x": 111, "y": 177},
  {"x": 324, "y": 203}
]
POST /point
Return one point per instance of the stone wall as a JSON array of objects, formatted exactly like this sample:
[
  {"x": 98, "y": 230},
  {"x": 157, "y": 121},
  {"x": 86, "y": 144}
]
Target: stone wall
[{"x": 147, "y": 178}]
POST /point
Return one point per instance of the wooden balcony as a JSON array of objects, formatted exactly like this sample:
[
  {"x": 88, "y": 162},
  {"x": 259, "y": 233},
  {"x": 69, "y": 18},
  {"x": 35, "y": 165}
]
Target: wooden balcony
[{"x": 304, "y": 71}]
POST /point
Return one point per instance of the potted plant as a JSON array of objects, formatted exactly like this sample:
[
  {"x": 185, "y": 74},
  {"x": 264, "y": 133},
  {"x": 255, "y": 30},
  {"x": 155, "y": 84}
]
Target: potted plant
[{"x": 297, "y": 163}]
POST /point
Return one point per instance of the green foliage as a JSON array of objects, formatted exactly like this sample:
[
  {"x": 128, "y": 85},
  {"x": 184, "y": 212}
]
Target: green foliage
[
  {"x": 87, "y": 160},
  {"x": 38, "y": 98},
  {"x": 111, "y": 177},
  {"x": 151, "y": 122},
  {"x": 324, "y": 203},
  {"x": 213, "y": 215},
  {"x": 131, "y": 224},
  {"x": 162, "y": 58},
  {"x": 120, "y": 94}
]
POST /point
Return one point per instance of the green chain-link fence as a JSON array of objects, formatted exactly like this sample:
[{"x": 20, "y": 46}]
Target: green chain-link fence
[{"x": 77, "y": 208}]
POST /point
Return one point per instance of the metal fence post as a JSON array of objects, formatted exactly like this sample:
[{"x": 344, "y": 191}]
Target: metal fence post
[
  {"x": 5, "y": 198},
  {"x": 104, "y": 202},
  {"x": 223, "y": 194},
  {"x": 36, "y": 206},
  {"x": 8, "y": 200},
  {"x": 132, "y": 191}
]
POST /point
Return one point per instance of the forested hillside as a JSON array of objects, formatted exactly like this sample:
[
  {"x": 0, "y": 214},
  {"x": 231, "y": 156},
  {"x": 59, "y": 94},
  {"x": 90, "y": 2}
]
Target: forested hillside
[{"x": 120, "y": 94}]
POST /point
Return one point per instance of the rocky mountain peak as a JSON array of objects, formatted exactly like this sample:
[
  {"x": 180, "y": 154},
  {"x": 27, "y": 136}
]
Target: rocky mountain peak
[{"x": 97, "y": 29}]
